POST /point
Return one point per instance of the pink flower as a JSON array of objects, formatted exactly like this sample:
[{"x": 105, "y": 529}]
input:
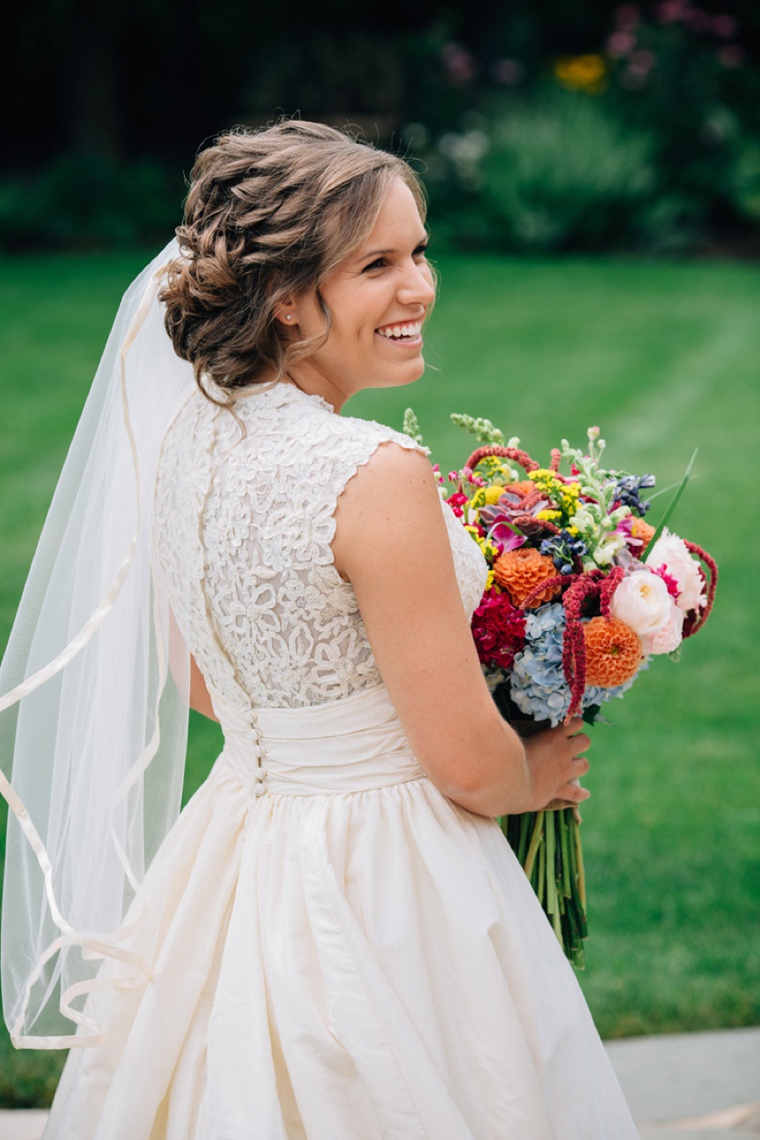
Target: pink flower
[
  {"x": 724, "y": 26},
  {"x": 669, "y": 581},
  {"x": 620, "y": 44},
  {"x": 670, "y": 554},
  {"x": 456, "y": 502}
]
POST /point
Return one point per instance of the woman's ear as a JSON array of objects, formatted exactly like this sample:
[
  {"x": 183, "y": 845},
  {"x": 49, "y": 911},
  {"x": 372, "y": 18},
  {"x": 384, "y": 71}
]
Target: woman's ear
[{"x": 284, "y": 312}]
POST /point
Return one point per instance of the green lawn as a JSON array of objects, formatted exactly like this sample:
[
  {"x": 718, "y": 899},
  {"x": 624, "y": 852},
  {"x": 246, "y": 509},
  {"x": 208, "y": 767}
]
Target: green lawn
[{"x": 664, "y": 358}]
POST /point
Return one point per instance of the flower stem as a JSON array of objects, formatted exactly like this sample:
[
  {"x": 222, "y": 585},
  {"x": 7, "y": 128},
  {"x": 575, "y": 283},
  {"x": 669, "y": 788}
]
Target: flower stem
[{"x": 530, "y": 858}]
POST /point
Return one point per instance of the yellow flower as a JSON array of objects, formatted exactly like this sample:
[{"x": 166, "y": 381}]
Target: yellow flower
[
  {"x": 493, "y": 493},
  {"x": 489, "y": 550},
  {"x": 564, "y": 496},
  {"x": 581, "y": 73}
]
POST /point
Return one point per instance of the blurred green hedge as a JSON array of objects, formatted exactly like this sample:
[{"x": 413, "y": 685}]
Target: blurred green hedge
[{"x": 649, "y": 141}]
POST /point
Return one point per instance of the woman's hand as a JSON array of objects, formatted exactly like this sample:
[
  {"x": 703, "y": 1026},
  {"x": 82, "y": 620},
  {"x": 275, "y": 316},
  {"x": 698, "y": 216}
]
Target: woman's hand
[{"x": 556, "y": 764}]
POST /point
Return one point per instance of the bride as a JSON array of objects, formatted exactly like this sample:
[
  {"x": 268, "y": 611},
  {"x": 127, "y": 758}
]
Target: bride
[{"x": 333, "y": 940}]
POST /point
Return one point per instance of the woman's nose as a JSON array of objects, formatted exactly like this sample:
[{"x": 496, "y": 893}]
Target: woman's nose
[{"x": 417, "y": 286}]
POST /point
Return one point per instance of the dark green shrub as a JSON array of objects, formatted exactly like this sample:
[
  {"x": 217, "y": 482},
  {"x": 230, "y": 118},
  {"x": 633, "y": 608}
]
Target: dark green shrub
[{"x": 87, "y": 201}]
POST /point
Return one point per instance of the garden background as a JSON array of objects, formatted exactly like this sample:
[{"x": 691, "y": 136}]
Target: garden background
[{"x": 594, "y": 182}]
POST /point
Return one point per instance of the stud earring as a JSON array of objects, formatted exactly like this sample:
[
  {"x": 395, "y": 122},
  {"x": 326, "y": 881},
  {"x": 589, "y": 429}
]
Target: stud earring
[{"x": 288, "y": 316}]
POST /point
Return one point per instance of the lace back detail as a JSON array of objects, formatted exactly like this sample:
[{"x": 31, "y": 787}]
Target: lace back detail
[{"x": 244, "y": 520}]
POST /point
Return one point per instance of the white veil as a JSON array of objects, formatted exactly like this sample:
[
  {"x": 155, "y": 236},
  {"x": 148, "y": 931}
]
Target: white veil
[{"x": 93, "y": 721}]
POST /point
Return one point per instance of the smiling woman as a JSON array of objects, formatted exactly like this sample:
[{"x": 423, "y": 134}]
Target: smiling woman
[
  {"x": 378, "y": 299},
  {"x": 333, "y": 940}
]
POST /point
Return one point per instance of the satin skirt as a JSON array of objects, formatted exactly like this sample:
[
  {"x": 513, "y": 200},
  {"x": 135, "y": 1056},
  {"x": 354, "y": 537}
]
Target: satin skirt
[{"x": 339, "y": 952}]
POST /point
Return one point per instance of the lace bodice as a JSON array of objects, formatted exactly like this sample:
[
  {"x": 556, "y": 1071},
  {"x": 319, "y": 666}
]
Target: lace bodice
[{"x": 244, "y": 519}]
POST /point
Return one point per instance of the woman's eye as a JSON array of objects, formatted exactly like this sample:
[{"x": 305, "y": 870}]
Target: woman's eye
[{"x": 377, "y": 264}]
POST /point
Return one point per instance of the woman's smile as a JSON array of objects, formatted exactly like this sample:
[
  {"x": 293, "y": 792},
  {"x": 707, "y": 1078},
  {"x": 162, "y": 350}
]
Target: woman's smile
[{"x": 409, "y": 333}]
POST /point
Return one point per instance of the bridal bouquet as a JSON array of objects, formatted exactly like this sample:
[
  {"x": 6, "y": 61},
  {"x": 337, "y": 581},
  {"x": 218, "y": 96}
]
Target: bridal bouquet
[{"x": 581, "y": 593}]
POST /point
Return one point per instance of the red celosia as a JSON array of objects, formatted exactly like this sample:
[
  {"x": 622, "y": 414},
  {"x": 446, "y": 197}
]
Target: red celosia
[
  {"x": 694, "y": 620},
  {"x": 583, "y": 589},
  {"x": 498, "y": 628},
  {"x": 607, "y": 589},
  {"x": 513, "y": 453}
]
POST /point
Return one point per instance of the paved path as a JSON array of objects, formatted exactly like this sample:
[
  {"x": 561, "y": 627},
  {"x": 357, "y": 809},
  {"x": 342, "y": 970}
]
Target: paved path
[
  {"x": 685, "y": 1086},
  {"x": 692, "y": 1086}
]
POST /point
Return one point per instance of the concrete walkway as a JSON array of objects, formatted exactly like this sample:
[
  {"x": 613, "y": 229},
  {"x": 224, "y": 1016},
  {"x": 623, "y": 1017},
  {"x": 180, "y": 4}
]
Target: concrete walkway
[
  {"x": 692, "y": 1086},
  {"x": 685, "y": 1086}
]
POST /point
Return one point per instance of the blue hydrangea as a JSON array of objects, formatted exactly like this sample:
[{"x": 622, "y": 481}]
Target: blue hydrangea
[{"x": 538, "y": 686}]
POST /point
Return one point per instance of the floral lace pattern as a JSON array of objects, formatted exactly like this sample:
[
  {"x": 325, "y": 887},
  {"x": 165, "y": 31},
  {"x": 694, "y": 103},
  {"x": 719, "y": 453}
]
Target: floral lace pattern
[{"x": 245, "y": 502}]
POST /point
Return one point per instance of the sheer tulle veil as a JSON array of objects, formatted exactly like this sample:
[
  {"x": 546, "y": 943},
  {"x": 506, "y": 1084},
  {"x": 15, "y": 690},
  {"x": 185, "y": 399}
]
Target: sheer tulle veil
[{"x": 93, "y": 711}]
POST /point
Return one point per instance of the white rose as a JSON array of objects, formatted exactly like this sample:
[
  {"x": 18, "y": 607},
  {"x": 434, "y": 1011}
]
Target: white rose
[
  {"x": 643, "y": 603},
  {"x": 668, "y": 637},
  {"x": 671, "y": 554}
]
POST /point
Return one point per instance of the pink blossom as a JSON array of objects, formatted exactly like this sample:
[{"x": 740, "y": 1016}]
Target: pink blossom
[
  {"x": 671, "y": 11},
  {"x": 670, "y": 553},
  {"x": 456, "y": 502},
  {"x": 506, "y": 538},
  {"x": 460, "y": 64},
  {"x": 669, "y": 580},
  {"x": 724, "y": 26},
  {"x": 641, "y": 62},
  {"x": 620, "y": 44}
]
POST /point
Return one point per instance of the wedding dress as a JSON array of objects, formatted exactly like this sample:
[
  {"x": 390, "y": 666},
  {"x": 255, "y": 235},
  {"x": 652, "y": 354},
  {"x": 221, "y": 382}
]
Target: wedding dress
[{"x": 338, "y": 951}]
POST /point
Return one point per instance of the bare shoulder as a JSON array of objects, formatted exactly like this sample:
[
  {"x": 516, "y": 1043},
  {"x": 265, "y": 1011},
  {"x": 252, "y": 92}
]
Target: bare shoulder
[
  {"x": 391, "y": 466},
  {"x": 391, "y": 503}
]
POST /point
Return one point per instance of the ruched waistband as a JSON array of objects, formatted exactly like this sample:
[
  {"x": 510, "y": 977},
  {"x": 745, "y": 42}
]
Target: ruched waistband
[{"x": 349, "y": 745}]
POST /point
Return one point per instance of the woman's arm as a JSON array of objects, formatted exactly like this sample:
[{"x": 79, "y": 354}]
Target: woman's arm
[
  {"x": 199, "y": 696},
  {"x": 392, "y": 544}
]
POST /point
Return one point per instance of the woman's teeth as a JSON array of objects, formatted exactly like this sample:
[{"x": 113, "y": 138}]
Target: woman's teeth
[{"x": 396, "y": 332}]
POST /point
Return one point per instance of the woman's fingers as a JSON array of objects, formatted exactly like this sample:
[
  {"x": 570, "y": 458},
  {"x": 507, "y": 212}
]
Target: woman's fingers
[
  {"x": 581, "y": 742},
  {"x": 580, "y": 765}
]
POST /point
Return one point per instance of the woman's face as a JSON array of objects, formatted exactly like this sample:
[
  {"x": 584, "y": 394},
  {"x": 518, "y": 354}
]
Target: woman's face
[{"x": 378, "y": 298}]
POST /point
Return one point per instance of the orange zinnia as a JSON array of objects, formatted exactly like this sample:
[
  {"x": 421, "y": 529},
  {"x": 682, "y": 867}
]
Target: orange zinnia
[
  {"x": 522, "y": 571},
  {"x": 613, "y": 652}
]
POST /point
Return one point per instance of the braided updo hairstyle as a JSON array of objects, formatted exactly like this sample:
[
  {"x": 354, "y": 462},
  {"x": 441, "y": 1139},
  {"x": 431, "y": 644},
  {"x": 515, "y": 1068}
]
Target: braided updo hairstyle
[{"x": 270, "y": 213}]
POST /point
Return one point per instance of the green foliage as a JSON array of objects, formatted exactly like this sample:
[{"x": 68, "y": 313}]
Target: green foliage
[
  {"x": 411, "y": 426},
  {"x": 483, "y": 430},
  {"x": 88, "y": 201},
  {"x": 650, "y": 140},
  {"x": 562, "y": 173},
  {"x": 661, "y": 356}
]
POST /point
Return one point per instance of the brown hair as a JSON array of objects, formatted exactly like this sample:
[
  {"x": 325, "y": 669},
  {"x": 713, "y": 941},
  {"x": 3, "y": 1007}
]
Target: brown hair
[{"x": 269, "y": 214}]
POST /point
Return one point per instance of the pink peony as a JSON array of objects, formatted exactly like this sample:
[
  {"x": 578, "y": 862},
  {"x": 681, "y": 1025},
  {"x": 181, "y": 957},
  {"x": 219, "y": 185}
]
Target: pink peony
[{"x": 670, "y": 554}]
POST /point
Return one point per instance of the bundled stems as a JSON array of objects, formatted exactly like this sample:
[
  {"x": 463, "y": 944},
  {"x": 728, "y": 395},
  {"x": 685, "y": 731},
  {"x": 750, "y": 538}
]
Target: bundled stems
[{"x": 548, "y": 847}]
